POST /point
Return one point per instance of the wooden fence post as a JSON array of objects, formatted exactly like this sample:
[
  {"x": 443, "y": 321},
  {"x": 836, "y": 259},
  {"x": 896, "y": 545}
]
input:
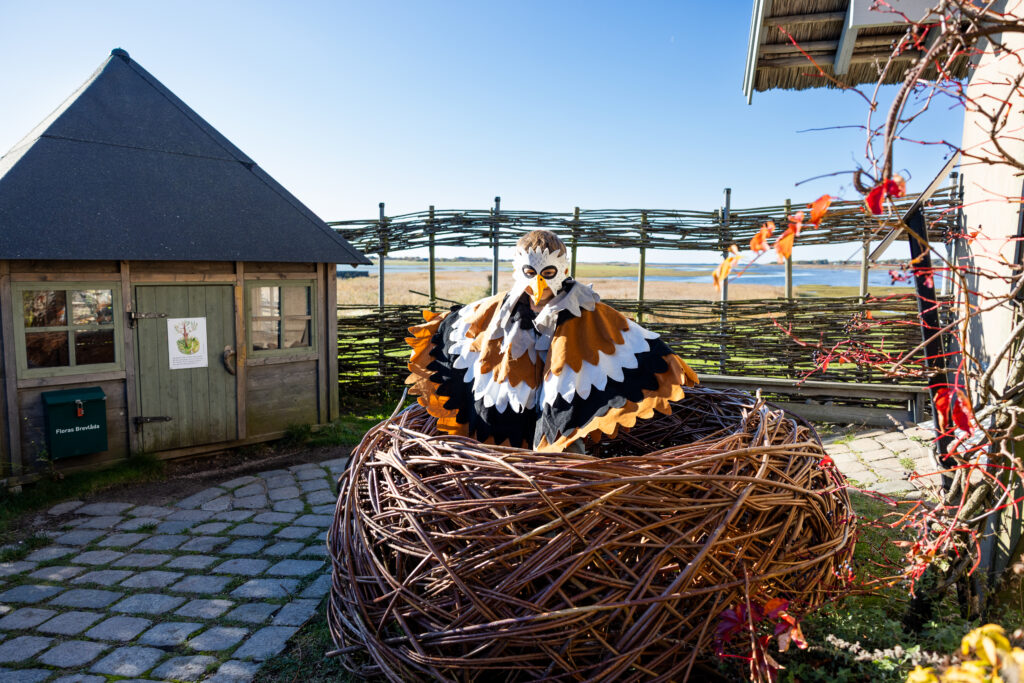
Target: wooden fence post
[
  {"x": 723, "y": 239},
  {"x": 381, "y": 358},
  {"x": 640, "y": 270},
  {"x": 575, "y": 241},
  {"x": 382, "y": 241},
  {"x": 952, "y": 245},
  {"x": 431, "y": 264},
  {"x": 790, "y": 367},
  {"x": 865, "y": 264},
  {"x": 789, "y": 259},
  {"x": 494, "y": 246}
]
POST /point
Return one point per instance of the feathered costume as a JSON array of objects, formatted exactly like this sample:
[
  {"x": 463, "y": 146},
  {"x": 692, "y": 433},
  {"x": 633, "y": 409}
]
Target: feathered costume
[{"x": 499, "y": 372}]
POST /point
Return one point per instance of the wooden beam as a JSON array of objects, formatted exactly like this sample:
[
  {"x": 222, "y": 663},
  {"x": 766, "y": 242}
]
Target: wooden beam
[
  {"x": 817, "y": 387},
  {"x": 641, "y": 269},
  {"x": 810, "y": 46},
  {"x": 331, "y": 339},
  {"x": 827, "y": 60},
  {"x": 575, "y": 241},
  {"x": 241, "y": 348},
  {"x": 431, "y": 263},
  {"x": 10, "y": 369},
  {"x": 61, "y": 380},
  {"x": 494, "y": 246},
  {"x": 762, "y": 8},
  {"x": 380, "y": 259},
  {"x": 65, "y": 277},
  {"x": 816, "y": 18},
  {"x": 319, "y": 295},
  {"x": 847, "y": 39},
  {"x": 820, "y": 412},
  {"x": 724, "y": 238},
  {"x": 131, "y": 395},
  {"x": 789, "y": 259}
]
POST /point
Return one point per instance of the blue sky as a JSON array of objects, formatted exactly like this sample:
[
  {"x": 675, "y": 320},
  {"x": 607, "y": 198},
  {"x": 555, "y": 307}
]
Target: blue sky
[{"x": 548, "y": 104}]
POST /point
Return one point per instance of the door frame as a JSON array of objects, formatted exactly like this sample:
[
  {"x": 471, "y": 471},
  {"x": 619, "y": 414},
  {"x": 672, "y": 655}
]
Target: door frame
[{"x": 134, "y": 375}]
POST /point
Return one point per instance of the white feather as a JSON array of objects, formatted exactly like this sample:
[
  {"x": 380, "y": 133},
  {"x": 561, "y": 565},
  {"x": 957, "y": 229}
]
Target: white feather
[{"x": 595, "y": 376}]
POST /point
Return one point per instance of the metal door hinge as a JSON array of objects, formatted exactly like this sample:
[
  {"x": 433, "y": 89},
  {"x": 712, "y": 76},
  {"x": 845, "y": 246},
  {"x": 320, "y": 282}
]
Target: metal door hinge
[
  {"x": 139, "y": 421},
  {"x": 135, "y": 315}
]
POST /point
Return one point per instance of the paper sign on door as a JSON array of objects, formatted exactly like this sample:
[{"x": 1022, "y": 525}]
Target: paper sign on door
[{"x": 186, "y": 343}]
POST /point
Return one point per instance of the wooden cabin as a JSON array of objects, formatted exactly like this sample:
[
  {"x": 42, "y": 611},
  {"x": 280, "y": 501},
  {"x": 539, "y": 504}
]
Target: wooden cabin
[{"x": 151, "y": 271}]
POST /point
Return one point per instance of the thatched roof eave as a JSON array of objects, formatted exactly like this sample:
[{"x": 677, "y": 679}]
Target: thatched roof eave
[{"x": 800, "y": 44}]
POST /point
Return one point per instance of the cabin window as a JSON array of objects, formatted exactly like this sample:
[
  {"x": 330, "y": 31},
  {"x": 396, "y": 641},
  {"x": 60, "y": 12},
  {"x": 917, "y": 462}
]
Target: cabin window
[
  {"x": 66, "y": 329},
  {"x": 280, "y": 316}
]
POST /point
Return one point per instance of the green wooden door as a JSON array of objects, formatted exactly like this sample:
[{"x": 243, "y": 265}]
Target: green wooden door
[{"x": 200, "y": 402}]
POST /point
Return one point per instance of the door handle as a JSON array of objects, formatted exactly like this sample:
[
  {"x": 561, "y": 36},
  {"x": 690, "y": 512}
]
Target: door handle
[{"x": 229, "y": 353}]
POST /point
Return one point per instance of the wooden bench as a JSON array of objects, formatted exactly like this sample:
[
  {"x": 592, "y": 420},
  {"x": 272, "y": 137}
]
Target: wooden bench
[{"x": 817, "y": 405}]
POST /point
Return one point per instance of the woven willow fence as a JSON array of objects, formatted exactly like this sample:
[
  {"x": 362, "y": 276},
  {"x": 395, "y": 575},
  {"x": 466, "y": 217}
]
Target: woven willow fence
[
  {"x": 629, "y": 228},
  {"x": 373, "y": 353},
  {"x": 717, "y": 337}
]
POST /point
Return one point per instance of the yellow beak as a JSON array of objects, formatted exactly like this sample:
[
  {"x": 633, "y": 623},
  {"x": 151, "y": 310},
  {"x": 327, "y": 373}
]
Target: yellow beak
[{"x": 539, "y": 285}]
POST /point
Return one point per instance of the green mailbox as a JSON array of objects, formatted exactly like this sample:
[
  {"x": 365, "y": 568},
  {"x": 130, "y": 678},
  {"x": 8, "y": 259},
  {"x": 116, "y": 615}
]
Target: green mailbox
[{"x": 76, "y": 421}]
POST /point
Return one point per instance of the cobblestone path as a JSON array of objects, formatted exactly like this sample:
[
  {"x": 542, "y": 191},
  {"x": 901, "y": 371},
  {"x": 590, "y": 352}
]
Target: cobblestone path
[
  {"x": 210, "y": 587},
  {"x": 204, "y": 589},
  {"x": 884, "y": 461}
]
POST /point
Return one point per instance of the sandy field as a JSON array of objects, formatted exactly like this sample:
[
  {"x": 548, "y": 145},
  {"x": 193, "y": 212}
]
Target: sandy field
[{"x": 466, "y": 286}]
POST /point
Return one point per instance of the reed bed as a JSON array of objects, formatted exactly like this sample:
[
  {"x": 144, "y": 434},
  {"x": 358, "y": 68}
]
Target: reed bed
[{"x": 457, "y": 561}]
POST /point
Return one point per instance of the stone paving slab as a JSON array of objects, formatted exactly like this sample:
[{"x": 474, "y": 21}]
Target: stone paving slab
[
  {"x": 203, "y": 589},
  {"x": 170, "y": 633},
  {"x": 878, "y": 460}
]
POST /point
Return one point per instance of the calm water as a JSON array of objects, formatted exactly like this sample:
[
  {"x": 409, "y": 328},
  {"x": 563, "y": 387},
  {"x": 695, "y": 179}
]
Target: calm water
[{"x": 761, "y": 274}]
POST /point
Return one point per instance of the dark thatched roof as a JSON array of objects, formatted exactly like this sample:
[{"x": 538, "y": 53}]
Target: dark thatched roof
[
  {"x": 124, "y": 170},
  {"x": 773, "y": 62}
]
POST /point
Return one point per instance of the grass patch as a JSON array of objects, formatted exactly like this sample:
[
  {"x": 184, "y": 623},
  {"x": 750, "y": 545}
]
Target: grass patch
[
  {"x": 20, "y": 550},
  {"x": 822, "y": 290},
  {"x": 47, "y": 492},
  {"x": 862, "y": 637},
  {"x": 304, "y": 660},
  {"x": 347, "y": 430}
]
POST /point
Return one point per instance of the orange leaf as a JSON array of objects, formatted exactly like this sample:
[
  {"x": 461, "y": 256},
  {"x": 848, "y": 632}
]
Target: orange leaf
[
  {"x": 796, "y": 222},
  {"x": 775, "y": 606},
  {"x": 941, "y": 404},
  {"x": 893, "y": 187},
  {"x": 962, "y": 413},
  {"x": 867, "y": 314},
  {"x": 818, "y": 209},
  {"x": 784, "y": 245},
  {"x": 897, "y": 186},
  {"x": 722, "y": 271},
  {"x": 759, "y": 242}
]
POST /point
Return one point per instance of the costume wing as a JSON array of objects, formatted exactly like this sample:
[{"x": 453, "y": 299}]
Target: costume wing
[
  {"x": 466, "y": 377},
  {"x": 604, "y": 372}
]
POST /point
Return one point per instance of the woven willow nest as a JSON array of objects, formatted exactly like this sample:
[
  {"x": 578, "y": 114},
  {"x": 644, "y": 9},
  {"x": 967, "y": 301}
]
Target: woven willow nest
[{"x": 456, "y": 560}]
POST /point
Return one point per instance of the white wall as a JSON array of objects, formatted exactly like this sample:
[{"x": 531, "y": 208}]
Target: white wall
[{"x": 992, "y": 189}]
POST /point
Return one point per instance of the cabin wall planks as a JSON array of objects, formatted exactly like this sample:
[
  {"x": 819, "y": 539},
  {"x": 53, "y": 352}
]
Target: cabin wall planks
[{"x": 274, "y": 391}]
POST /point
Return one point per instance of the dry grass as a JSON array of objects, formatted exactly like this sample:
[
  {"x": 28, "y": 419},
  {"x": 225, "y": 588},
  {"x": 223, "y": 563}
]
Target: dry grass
[{"x": 466, "y": 286}]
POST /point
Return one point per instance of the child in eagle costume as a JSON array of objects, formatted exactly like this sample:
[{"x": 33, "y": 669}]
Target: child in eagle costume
[{"x": 545, "y": 365}]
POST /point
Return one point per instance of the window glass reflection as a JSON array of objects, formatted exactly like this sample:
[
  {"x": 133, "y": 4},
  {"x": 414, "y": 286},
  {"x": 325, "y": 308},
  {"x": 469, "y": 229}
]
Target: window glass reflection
[
  {"x": 44, "y": 308},
  {"x": 92, "y": 307},
  {"x": 46, "y": 349},
  {"x": 93, "y": 347}
]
